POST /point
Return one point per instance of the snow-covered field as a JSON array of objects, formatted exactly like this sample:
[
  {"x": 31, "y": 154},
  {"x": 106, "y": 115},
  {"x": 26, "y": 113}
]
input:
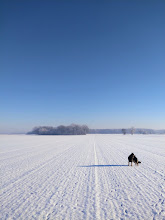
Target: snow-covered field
[{"x": 82, "y": 177}]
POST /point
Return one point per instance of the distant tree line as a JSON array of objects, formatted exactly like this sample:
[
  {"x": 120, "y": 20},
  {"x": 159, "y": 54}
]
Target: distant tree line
[
  {"x": 72, "y": 129},
  {"x": 126, "y": 131},
  {"x": 75, "y": 129}
]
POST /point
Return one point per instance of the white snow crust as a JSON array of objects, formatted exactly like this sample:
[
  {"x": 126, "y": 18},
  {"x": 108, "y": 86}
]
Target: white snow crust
[{"x": 82, "y": 177}]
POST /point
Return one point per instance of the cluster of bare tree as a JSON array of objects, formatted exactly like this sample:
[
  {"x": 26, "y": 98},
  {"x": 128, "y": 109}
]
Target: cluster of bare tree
[
  {"x": 72, "y": 129},
  {"x": 131, "y": 130},
  {"x": 124, "y": 131},
  {"x": 141, "y": 131}
]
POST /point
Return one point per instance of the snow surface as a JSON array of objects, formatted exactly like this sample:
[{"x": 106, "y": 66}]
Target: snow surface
[{"x": 82, "y": 177}]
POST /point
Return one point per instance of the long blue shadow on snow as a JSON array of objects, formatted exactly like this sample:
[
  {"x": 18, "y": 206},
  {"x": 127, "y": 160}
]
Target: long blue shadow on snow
[{"x": 115, "y": 165}]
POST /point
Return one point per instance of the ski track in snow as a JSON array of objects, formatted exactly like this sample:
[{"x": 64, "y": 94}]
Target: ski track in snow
[
  {"x": 82, "y": 177},
  {"x": 97, "y": 185}
]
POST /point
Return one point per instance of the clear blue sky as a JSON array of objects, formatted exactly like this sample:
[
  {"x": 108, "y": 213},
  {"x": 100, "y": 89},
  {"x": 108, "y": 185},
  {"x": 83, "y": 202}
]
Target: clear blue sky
[{"x": 100, "y": 63}]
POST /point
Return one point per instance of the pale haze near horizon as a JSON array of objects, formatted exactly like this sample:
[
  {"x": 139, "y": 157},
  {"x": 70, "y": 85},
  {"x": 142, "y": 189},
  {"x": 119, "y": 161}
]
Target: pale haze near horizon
[{"x": 100, "y": 64}]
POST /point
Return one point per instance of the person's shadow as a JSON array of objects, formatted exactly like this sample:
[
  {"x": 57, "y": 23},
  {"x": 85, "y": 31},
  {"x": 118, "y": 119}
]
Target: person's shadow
[{"x": 109, "y": 165}]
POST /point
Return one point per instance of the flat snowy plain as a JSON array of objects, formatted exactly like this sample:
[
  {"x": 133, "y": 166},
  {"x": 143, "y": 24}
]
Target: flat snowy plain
[{"x": 82, "y": 177}]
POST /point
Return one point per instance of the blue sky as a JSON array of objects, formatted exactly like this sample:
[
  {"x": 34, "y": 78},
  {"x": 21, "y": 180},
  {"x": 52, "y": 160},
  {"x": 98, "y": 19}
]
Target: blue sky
[{"x": 99, "y": 63}]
